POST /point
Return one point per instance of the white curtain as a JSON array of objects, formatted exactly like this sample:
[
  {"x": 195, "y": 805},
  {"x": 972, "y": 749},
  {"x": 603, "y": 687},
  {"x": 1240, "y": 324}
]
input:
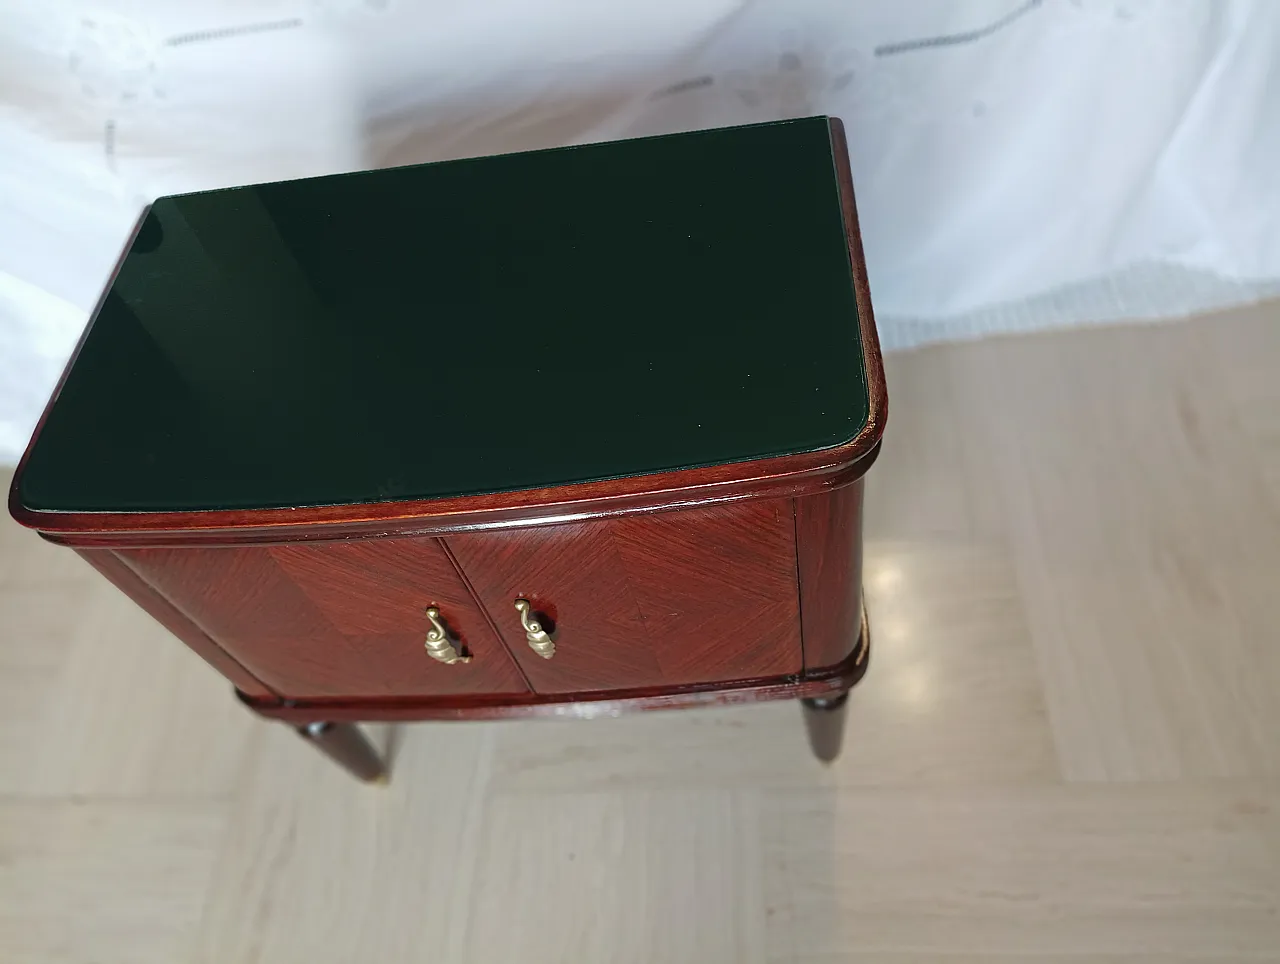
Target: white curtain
[{"x": 1018, "y": 163}]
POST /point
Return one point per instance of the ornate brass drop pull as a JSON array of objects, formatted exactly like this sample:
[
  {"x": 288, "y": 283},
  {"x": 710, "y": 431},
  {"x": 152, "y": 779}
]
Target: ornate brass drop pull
[
  {"x": 534, "y": 634},
  {"x": 438, "y": 645}
]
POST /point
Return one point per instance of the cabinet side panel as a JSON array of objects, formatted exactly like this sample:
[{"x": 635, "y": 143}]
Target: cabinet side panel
[
  {"x": 829, "y": 545},
  {"x": 129, "y": 582}
]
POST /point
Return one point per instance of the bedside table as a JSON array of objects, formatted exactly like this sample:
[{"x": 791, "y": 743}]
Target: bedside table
[{"x": 563, "y": 433}]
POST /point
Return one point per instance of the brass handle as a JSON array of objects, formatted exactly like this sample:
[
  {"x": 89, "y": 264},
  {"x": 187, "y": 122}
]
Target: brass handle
[
  {"x": 534, "y": 634},
  {"x": 438, "y": 645}
]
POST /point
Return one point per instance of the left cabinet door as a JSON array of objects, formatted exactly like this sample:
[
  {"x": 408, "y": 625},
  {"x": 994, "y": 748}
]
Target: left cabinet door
[{"x": 341, "y": 619}]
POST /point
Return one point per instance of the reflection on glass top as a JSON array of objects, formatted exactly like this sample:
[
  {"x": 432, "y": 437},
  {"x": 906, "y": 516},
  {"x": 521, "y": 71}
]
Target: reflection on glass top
[{"x": 468, "y": 326}]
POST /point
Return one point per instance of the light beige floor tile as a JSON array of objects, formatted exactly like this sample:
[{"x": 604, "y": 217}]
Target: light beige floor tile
[
  {"x": 952, "y": 695},
  {"x": 27, "y": 561},
  {"x": 1140, "y": 524},
  {"x": 321, "y": 868},
  {"x": 104, "y": 882},
  {"x": 1147, "y": 686},
  {"x": 1088, "y": 871},
  {"x": 1072, "y": 554},
  {"x": 633, "y": 876},
  {"x": 1115, "y": 446},
  {"x": 36, "y": 628},
  {"x": 98, "y": 699},
  {"x": 39, "y": 624},
  {"x": 854, "y": 956},
  {"x": 24, "y": 696},
  {"x": 931, "y": 481},
  {"x": 1243, "y": 346},
  {"x": 133, "y": 712}
]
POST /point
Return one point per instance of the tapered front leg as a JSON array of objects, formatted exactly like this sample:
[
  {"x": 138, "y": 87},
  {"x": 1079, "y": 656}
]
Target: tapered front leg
[
  {"x": 824, "y": 719},
  {"x": 346, "y": 745}
]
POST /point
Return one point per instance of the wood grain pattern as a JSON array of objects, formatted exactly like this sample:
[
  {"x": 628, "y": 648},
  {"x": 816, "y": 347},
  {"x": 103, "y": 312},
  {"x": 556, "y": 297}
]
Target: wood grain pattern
[
  {"x": 578, "y": 583},
  {"x": 1064, "y": 752},
  {"x": 829, "y": 547},
  {"x": 717, "y": 589},
  {"x": 586, "y": 705},
  {"x": 662, "y": 589},
  {"x": 667, "y": 599},
  {"x": 169, "y": 616},
  {"x": 782, "y": 477},
  {"x": 367, "y": 644},
  {"x": 380, "y": 588}
]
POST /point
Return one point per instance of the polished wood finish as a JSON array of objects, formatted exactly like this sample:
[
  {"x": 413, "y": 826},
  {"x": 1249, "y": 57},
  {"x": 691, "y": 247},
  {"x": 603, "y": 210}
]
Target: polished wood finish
[
  {"x": 313, "y": 621},
  {"x": 829, "y": 543},
  {"x": 726, "y": 583},
  {"x": 804, "y": 464},
  {"x": 346, "y": 745},
  {"x": 307, "y": 343},
  {"x": 110, "y": 565},
  {"x": 659, "y": 600},
  {"x": 1063, "y": 753},
  {"x": 382, "y": 588},
  {"x": 781, "y": 477},
  {"x": 785, "y": 476},
  {"x": 827, "y": 683}
]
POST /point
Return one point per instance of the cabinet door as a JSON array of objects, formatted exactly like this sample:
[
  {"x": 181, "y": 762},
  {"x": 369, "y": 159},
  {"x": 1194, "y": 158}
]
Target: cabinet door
[
  {"x": 335, "y": 619},
  {"x": 676, "y": 598}
]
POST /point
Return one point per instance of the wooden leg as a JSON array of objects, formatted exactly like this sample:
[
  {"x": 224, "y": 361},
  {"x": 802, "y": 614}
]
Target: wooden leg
[
  {"x": 346, "y": 745},
  {"x": 824, "y": 719}
]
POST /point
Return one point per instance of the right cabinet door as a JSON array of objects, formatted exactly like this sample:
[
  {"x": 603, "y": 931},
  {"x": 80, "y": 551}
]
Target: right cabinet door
[{"x": 669, "y": 599}]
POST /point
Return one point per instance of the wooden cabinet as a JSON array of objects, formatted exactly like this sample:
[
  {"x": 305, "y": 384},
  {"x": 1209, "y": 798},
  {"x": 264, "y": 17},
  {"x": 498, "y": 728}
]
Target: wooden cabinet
[
  {"x": 668, "y": 599},
  {"x": 330, "y": 431},
  {"x": 334, "y": 619}
]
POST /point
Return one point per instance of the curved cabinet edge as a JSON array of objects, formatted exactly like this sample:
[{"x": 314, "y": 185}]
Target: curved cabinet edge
[
  {"x": 788, "y": 476},
  {"x": 531, "y": 507}
]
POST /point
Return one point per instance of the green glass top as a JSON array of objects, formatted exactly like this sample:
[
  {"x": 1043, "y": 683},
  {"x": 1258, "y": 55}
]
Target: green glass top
[{"x": 469, "y": 326}]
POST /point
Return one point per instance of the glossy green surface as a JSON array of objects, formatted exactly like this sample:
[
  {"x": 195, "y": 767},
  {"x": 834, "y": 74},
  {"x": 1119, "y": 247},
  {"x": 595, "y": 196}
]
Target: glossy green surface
[{"x": 470, "y": 326}]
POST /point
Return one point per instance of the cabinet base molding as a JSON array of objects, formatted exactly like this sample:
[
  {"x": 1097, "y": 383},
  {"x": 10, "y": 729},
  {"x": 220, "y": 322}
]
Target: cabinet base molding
[{"x": 822, "y": 684}]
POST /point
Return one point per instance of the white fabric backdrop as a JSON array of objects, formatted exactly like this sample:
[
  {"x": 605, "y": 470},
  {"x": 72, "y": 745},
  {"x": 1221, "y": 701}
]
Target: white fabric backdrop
[{"x": 1007, "y": 154}]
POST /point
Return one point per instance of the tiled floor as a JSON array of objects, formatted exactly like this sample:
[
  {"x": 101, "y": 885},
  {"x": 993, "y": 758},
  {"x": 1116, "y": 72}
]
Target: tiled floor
[{"x": 1067, "y": 747}]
